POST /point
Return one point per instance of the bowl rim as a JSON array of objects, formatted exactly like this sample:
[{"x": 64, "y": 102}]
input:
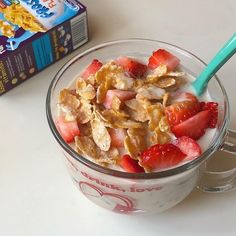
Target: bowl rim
[{"x": 111, "y": 172}]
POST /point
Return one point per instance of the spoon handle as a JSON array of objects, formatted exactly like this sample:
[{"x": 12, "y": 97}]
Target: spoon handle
[{"x": 225, "y": 53}]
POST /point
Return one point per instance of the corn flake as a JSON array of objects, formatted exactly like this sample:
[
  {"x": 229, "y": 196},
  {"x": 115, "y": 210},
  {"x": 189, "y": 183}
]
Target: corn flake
[
  {"x": 165, "y": 82},
  {"x": 86, "y": 146},
  {"x": 155, "y": 113},
  {"x": 122, "y": 123},
  {"x": 175, "y": 74},
  {"x": 164, "y": 125},
  {"x": 86, "y": 91},
  {"x": 160, "y": 71},
  {"x": 135, "y": 141},
  {"x": 137, "y": 109},
  {"x": 84, "y": 112},
  {"x": 107, "y": 72},
  {"x": 122, "y": 82},
  {"x": 165, "y": 99},
  {"x": 161, "y": 137},
  {"x": 100, "y": 135},
  {"x": 116, "y": 103},
  {"x": 151, "y": 92},
  {"x": 69, "y": 104},
  {"x": 109, "y": 157}
]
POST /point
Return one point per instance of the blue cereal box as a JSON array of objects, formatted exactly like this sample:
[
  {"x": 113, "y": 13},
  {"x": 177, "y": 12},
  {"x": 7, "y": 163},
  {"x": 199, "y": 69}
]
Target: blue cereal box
[{"x": 36, "y": 33}]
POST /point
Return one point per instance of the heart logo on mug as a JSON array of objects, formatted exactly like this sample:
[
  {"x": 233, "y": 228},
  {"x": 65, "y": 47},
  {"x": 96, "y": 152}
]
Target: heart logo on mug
[{"x": 115, "y": 202}]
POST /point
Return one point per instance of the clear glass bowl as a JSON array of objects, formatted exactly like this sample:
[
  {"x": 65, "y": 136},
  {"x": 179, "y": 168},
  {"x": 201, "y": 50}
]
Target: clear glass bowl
[{"x": 143, "y": 192}]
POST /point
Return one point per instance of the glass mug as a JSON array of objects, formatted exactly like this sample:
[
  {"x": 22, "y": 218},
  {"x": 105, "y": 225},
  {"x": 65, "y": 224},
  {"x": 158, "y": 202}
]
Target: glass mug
[{"x": 139, "y": 193}]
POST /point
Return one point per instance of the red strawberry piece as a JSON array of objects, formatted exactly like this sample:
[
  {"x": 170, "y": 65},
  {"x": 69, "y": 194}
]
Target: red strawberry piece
[
  {"x": 163, "y": 57},
  {"x": 123, "y": 95},
  {"x": 183, "y": 96},
  {"x": 133, "y": 67},
  {"x": 130, "y": 165},
  {"x": 91, "y": 69},
  {"x": 189, "y": 147},
  {"x": 67, "y": 129},
  {"x": 161, "y": 156},
  {"x": 181, "y": 111},
  {"x": 213, "y": 107},
  {"x": 194, "y": 127},
  {"x": 117, "y": 137}
]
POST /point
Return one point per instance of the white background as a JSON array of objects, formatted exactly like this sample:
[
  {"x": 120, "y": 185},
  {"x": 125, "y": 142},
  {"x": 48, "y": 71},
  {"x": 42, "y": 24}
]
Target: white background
[{"x": 37, "y": 196}]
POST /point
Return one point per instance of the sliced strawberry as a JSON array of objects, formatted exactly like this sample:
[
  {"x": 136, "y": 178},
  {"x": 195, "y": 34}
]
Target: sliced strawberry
[
  {"x": 181, "y": 111},
  {"x": 117, "y": 137},
  {"x": 133, "y": 67},
  {"x": 163, "y": 57},
  {"x": 183, "y": 96},
  {"x": 123, "y": 95},
  {"x": 161, "y": 156},
  {"x": 189, "y": 147},
  {"x": 130, "y": 165},
  {"x": 67, "y": 129},
  {"x": 194, "y": 127},
  {"x": 213, "y": 107},
  {"x": 91, "y": 69}
]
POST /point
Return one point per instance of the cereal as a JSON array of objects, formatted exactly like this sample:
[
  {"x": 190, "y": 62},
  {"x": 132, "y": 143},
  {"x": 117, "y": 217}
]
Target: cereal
[
  {"x": 160, "y": 137},
  {"x": 7, "y": 29},
  {"x": 100, "y": 135},
  {"x": 165, "y": 99},
  {"x": 91, "y": 80},
  {"x": 116, "y": 103},
  {"x": 107, "y": 72},
  {"x": 109, "y": 157},
  {"x": 101, "y": 92},
  {"x": 86, "y": 91},
  {"x": 165, "y": 82},
  {"x": 137, "y": 109},
  {"x": 86, "y": 146},
  {"x": 127, "y": 124},
  {"x": 160, "y": 71},
  {"x": 151, "y": 92},
  {"x": 175, "y": 74},
  {"x": 135, "y": 141},
  {"x": 122, "y": 82},
  {"x": 18, "y": 15},
  {"x": 104, "y": 78},
  {"x": 164, "y": 125},
  {"x": 84, "y": 113},
  {"x": 155, "y": 113},
  {"x": 141, "y": 121},
  {"x": 69, "y": 104}
]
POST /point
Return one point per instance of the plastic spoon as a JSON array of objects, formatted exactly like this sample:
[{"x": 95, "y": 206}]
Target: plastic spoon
[{"x": 215, "y": 64}]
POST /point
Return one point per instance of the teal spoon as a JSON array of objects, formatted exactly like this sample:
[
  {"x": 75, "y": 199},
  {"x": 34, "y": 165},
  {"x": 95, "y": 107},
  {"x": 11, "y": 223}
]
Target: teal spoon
[{"x": 215, "y": 64}]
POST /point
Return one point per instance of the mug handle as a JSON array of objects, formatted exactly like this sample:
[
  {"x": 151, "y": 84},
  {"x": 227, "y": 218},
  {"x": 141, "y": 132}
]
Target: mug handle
[{"x": 221, "y": 181}]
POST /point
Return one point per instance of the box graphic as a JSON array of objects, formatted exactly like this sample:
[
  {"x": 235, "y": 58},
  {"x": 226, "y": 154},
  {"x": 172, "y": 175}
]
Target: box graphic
[{"x": 36, "y": 33}]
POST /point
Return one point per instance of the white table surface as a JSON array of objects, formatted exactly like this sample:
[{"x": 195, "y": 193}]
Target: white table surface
[{"x": 37, "y": 196}]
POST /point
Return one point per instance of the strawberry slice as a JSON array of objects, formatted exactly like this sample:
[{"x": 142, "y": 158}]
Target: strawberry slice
[
  {"x": 133, "y": 67},
  {"x": 183, "y": 96},
  {"x": 213, "y": 107},
  {"x": 123, "y": 95},
  {"x": 194, "y": 127},
  {"x": 163, "y": 57},
  {"x": 189, "y": 147},
  {"x": 181, "y": 111},
  {"x": 130, "y": 165},
  {"x": 67, "y": 129},
  {"x": 91, "y": 69},
  {"x": 117, "y": 137},
  {"x": 160, "y": 156}
]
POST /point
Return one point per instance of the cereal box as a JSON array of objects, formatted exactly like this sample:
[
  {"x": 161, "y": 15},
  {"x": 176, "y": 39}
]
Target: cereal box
[{"x": 36, "y": 33}]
